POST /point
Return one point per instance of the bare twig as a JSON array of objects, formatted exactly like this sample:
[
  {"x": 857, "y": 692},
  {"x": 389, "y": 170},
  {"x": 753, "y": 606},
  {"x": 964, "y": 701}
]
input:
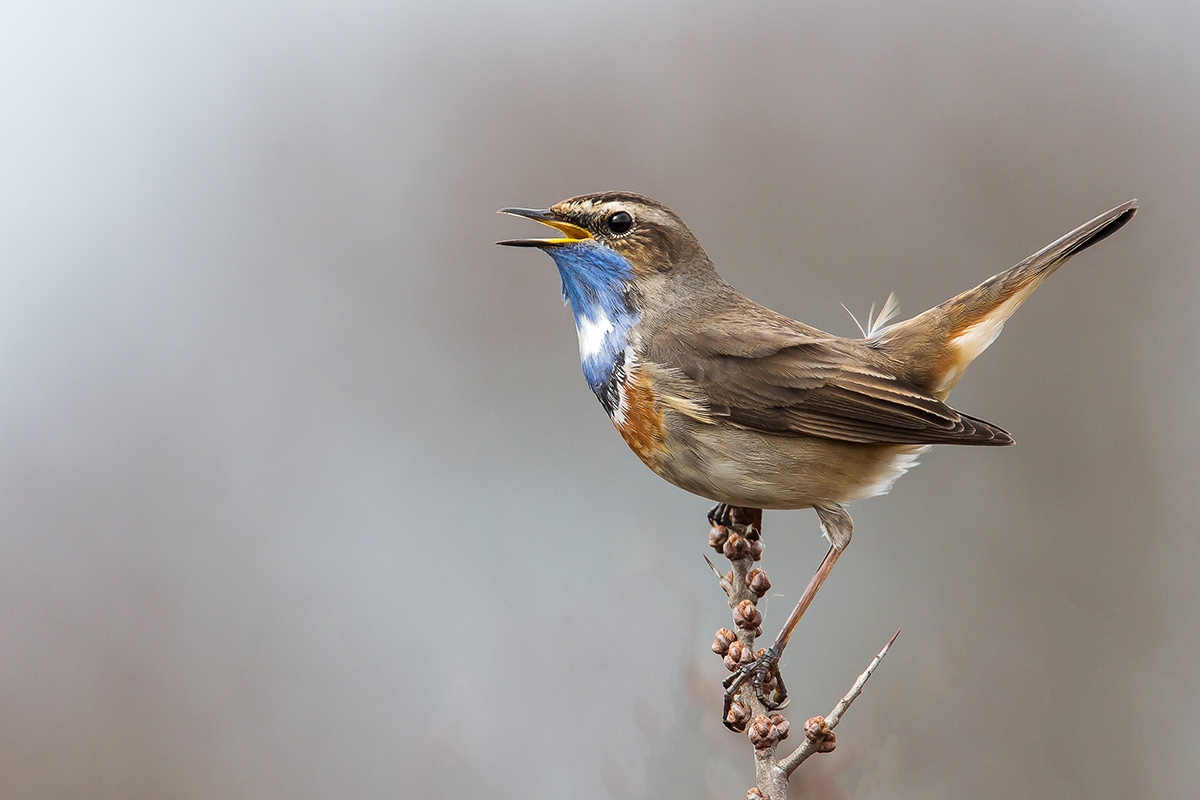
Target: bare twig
[{"x": 812, "y": 743}]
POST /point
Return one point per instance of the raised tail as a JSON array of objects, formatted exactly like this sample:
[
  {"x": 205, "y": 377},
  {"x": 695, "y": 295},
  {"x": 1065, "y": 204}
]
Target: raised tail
[{"x": 933, "y": 349}]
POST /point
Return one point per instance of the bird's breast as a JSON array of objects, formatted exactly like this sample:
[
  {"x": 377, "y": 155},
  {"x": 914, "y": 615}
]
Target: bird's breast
[{"x": 634, "y": 410}]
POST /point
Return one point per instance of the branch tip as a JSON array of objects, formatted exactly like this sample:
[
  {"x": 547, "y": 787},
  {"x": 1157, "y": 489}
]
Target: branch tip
[{"x": 813, "y": 743}]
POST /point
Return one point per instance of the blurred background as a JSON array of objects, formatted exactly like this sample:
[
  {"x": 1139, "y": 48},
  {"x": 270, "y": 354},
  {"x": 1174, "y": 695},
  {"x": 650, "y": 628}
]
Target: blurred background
[{"x": 303, "y": 495}]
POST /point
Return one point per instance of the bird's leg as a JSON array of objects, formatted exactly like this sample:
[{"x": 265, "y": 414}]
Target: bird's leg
[
  {"x": 837, "y": 527},
  {"x": 768, "y": 662}
]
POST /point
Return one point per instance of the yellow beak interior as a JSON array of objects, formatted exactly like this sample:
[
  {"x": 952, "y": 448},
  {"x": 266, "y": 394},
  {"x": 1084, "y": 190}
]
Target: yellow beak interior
[{"x": 571, "y": 233}]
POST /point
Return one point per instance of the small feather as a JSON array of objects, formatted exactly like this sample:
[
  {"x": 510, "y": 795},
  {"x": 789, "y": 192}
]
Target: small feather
[
  {"x": 891, "y": 307},
  {"x": 856, "y": 322}
]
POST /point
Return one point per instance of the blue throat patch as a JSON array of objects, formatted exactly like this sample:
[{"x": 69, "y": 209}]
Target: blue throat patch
[{"x": 597, "y": 283}]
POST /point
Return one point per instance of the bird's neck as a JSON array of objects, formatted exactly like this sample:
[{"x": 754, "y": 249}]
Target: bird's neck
[{"x": 598, "y": 285}]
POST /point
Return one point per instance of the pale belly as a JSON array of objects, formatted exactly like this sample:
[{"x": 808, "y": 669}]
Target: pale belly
[{"x": 746, "y": 468}]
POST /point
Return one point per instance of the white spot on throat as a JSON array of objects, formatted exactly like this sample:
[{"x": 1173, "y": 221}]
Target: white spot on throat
[{"x": 592, "y": 332}]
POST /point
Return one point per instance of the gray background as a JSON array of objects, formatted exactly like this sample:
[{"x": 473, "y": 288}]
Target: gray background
[{"x": 302, "y": 494}]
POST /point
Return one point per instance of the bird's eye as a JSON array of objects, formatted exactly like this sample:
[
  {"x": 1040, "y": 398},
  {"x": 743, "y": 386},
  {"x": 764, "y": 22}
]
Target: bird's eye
[{"x": 620, "y": 222}]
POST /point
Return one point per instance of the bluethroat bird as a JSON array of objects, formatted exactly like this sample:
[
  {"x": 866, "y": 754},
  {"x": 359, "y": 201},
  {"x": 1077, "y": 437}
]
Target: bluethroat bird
[{"x": 734, "y": 402}]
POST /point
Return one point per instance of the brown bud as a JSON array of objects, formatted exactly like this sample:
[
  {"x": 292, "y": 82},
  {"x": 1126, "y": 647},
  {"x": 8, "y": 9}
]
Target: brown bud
[
  {"x": 768, "y": 731},
  {"x": 738, "y": 716},
  {"x": 717, "y": 537},
  {"x": 733, "y": 655},
  {"x": 736, "y": 547},
  {"x": 759, "y": 583},
  {"x": 737, "y": 655},
  {"x": 725, "y": 637},
  {"x": 755, "y": 794},
  {"x": 764, "y": 732},
  {"x": 781, "y": 725},
  {"x": 760, "y": 733},
  {"x": 746, "y": 616},
  {"x": 756, "y": 549},
  {"x": 739, "y": 516},
  {"x": 816, "y": 729}
]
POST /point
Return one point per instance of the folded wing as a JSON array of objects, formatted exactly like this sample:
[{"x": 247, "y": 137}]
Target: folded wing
[{"x": 796, "y": 383}]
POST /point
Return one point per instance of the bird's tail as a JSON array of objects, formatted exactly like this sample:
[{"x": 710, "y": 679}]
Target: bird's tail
[{"x": 933, "y": 349}]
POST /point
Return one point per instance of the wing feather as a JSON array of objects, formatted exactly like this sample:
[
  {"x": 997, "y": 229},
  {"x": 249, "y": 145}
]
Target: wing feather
[{"x": 798, "y": 383}]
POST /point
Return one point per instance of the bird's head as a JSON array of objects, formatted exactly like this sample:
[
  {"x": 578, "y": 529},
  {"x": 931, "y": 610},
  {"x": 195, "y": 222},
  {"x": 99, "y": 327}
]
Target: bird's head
[
  {"x": 614, "y": 239},
  {"x": 618, "y": 254},
  {"x": 650, "y": 237}
]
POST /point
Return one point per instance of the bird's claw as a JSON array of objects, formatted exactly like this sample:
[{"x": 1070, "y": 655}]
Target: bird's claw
[
  {"x": 733, "y": 516},
  {"x": 763, "y": 671},
  {"x": 721, "y": 514}
]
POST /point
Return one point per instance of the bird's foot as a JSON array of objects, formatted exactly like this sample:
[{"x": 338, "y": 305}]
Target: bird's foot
[
  {"x": 764, "y": 675},
  {"x": 731, "y": 516},
  {"x": 720, "y": 515}
]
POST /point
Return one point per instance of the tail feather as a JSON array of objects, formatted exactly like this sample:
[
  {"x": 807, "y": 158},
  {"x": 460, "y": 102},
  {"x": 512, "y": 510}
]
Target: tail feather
[{"x": 933, "y": 349}]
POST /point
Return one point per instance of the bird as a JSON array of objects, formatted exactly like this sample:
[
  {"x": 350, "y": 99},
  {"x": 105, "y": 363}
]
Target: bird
[{"x": 754, "y": 410}]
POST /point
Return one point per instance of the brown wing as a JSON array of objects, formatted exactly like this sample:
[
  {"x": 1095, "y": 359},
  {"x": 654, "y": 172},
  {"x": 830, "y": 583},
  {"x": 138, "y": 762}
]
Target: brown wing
[{"x": 793, "y": 382}]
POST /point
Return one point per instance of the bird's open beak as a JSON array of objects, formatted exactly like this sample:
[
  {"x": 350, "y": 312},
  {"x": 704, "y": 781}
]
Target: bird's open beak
[{"x": 571, "y": 233}]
